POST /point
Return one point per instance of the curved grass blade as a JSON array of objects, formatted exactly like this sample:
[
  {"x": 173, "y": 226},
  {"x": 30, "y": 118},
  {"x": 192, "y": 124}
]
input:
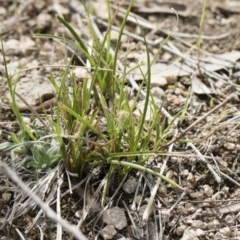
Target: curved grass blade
[
  {"x": 12, "y": 90},
  {"x": 75, "y": 35},
  {"x": 144, "y": 169}
]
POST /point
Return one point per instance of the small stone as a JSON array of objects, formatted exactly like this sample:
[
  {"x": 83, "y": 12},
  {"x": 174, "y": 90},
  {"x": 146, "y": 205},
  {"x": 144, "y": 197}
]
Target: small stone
[
  {"x": 229, "y": 220},
  {"x": 171, "y": 79},
  {"x": 178, "y": 91},
  {"x": 230, "y": 146},
  {"x": 6, "y": 196},
  {"x": 180, "y": 230},
  {"x": 162, "y": 190},
  {"x": 61, "y": 10},
  {"x": 214, "y": 48},
  {"x": 100, "y": 10},
  {"x": 158, "y": 92},
  {"x": 215, "y": 224},
  {"x": 182, "y": 210},
  {"x": 208, "y": 191},
  {"x": 13, "y": 67},
  {"x": 189, "y": 234},
  {"x": 199, "y": 224},
  {"x": 218, "y": 236},
  {"x": 12, "y": 46},
  {"x": 80, "y": 73},
  {"x": 190, "y": 178},
  {"x": 186, "y": 80},
  {"x": 190, "y": 208},
  {"x": 233, "y": 134},
  {"x": 226, "y": 231},
  {"x": 189, "y": 221},
  {"x": 159, "y": 81},
  {"x": 44, "y": 20},
  {"x": 225, "y": 190},
  {"x": 27, "y": 44},
  {"x": 186, "y": 184},
  {"x": 166, "y": 56},
  {"x": 173, "y": 99},
  {"x": 185, "y": 173},
  {"x": 27, "y": 120},
  {"x": 115, "y": 36},
  {"x": 200, "y": 233},
  {"x": 130, "y": 185},
  {"x": 108, "y": 232},
  {"x": 197, "y": 195},
  {"x": 3, "y": 11},
  {"x": 116, "y": 217},
  {"x": 170, "y": 174}
]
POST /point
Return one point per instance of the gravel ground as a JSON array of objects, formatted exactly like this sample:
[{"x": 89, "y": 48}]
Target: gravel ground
[{"x": 207, "y": 164}]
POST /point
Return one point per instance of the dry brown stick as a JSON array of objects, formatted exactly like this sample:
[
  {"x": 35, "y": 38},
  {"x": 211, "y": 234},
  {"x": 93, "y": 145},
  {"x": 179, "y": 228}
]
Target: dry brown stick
[{"x": 230, "y": 97}]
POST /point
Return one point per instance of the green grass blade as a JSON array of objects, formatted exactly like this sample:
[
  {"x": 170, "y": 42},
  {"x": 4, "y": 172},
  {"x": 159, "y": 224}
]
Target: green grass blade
[
  {"x": 144, "y": 169},
  {"x": 82, "y": 120},
  {"x": 75, "y": 35},
  {"x": 14, "y": 106},
  {"x": 143, "y": 117}
]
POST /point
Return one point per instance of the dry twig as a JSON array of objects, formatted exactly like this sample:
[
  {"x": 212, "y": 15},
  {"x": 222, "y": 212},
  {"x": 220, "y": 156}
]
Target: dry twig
[{"x": 4, "y": 169}]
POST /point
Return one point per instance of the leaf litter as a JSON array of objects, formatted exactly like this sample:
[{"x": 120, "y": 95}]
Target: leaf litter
[{"x": 210, "y": 177}]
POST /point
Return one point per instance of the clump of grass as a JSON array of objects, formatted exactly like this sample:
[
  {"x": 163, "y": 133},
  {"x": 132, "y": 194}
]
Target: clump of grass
[{"x": 124, "y": 142}]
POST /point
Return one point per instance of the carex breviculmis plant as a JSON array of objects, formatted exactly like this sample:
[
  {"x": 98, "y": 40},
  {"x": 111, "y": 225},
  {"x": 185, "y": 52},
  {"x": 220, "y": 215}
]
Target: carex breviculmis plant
[{"x": 96, "y": 116}]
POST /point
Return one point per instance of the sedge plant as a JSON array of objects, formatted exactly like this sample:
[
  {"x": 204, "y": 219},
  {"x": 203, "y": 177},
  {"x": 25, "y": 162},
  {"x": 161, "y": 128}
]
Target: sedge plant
[{"x": 94, "y": 118}]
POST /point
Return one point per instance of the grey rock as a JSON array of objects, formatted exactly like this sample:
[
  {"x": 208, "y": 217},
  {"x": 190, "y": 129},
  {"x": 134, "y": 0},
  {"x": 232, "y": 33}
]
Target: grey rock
[
  {"x": 130, "y": 185},
  {"x": 199, "y": 224},
  {"x": 189, "y": 234},
  {"x": 180, "y": 230},
  {"x": 215, "y": 224},
  {"x": 197, "y": 195},
  {"x": 226, "y": 231},
  {"x": 108, "y": 232},
  {"x": 208, "y": 191},
  {"x": 158, "y": 92},
  {"x": 219, "y": 236},
  {"x": 230, "y": 221},
  {"x": 200, "y": 233},
  {"x": 116, "y": 217},
  {"x": 230, "y": 146}
]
